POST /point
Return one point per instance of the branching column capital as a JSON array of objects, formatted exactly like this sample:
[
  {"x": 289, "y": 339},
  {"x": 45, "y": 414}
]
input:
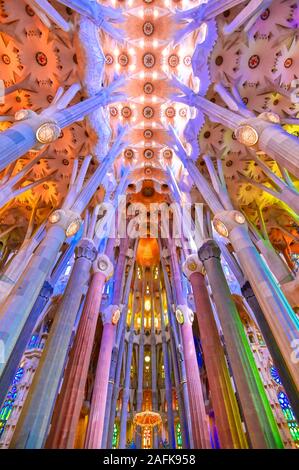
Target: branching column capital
[
  {"x": 209, "y": 250},
  {"x": 111, "y": 315},
  {"x": 226, "y": 221},
  {"x": 102, "y": 264},
  {"x": 192, "y": 265},
  {"x": 184, "y": 315},
  {"x": 86, "y": 249},
  {"x": 68, "y": 220}
]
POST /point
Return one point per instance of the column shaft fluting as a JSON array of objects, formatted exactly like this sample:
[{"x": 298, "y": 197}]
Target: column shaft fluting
[
  {"x": 116, "y": 366},
  {"x": 17, "y": 307},
  {"x": 228, "y": 421},
  {"x": 95, "y": 429},
  {"x": 201, "y": 439},
  {"x": 32, "y": 429},
  {"x": 126, "y": 388},
  {"x": 279, "y": 315},
  {"x": 261, "y": 426},
  {"x": 286, "y": 377},
  {"x": 97, "y": 413},
  {"x": 167, "y": 380},
  {"x": 71, "y": 397}
]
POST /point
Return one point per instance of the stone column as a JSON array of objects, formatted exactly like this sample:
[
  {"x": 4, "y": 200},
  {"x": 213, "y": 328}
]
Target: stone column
[
  {"x": 154, "y": 365},
  {"x": 30, "y": 362},
  {"x": 119, "y": 297},
  {"x": 18, "y": 351},
  {"x": 168, "y": 384},
  {"x": 140, "y": 362},
  {"x": 17, "y": 307},
  {"x": 262, "y": 429},
  {"x": 35, "y": 130},
  {"x": 269, "y": 137},
  {"x": 227, "y": 417},
  {"x": 185, "y": 317},
  {"x": 199, "y": 421},
  {"x": 277, "y": 265},
  {"x": 21, "y": 137},
  {"x": 37, "y": 309},
  {"x": 32, "y": 429},
  {"x": 179, "y": 392},
  {"x": 279, "y": 315},
  {"x": 126, "y": 387},
  {"x": 178, "y": 370},
  {"x": 70, "y": 399},
  {"x": 98, "y": 404},
  {"x": 263, "y": 133},
  {"x": 286, "y": 378},
  {"x": 118, "y": 360}
]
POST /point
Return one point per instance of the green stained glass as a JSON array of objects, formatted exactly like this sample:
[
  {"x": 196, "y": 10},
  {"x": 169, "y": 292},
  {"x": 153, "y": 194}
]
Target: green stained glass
[
  {"x": 6, "y": 409},
  {"x": 115, "y": 436},
  {"x": 179, "y": 439},
  {"x": 289, "y": 416}
]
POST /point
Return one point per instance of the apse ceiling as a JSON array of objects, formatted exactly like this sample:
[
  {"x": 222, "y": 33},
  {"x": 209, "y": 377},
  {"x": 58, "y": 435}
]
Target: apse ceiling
[{"x": 261, "y": 62}]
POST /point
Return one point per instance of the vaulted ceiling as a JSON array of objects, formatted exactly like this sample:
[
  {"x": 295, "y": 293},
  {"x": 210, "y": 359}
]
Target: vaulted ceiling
[{"x": 35, "y": 60}]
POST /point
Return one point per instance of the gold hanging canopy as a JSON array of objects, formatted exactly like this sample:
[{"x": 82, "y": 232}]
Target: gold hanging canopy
[{"x": 147, "y": 419}]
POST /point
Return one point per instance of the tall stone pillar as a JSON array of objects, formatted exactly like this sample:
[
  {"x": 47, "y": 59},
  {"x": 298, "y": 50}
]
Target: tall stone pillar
[
  {"x": 262, "y": 429},
  {"x": 98, "y": 404},
  {"x": 185, "y": 317},
  {"x": 33, "y": 427},
  {"x": 33, "y": 130},
  {"x": 168, "y": 384},
  {"x": 30, "y": 362},
  {"x": 227, "y": 417},
  {"x": 37, "y": 309},
  {"x": 18, "y": 351},
  {"x": 279, "y": 315},
  {"x": 126, "y": 388},
  {"x": 154, "y": 365},
  {"x": 266, "y": 134},
  {"x": 118, "y": 359},
  {"x": 120, "y": 297},
  {"x": 262, "y": 133},
  {"x": 70, "y": 399},
  {"x": 286, "y": 378},
  {"x": 179, "y": 392},
  {"x": 140, "y": 363},
  {"x": 178, "y": 369},
  {"x": 17, "y": 307},
  {"x": 199, "y": 420}
]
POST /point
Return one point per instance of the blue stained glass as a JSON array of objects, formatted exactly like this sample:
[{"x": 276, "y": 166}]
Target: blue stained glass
[
  {"x": 289, "y": 416},
  {"x": 6, "y": 409},
  {"x": 275, "y": 375},
  {"x": 32, "y": 343}
]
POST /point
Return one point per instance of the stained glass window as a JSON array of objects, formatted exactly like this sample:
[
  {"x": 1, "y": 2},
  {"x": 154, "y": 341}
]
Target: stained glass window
[
  {"x": 274, "y": 375},
  {"x": 179, "y": 439},
  {"x": 33, "y": 342},
  {"x": 9, "y": 401},
  {"x": 289, "y": 416},
  {"x": 115, "y": 436}
]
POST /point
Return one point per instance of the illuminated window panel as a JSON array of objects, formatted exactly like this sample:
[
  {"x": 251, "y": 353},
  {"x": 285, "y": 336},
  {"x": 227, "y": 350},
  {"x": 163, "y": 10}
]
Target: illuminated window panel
[
  {"x": 289, "y": 416},
  {"x": 10, "y": 399},
  {"x": 179, "y": 439}
]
